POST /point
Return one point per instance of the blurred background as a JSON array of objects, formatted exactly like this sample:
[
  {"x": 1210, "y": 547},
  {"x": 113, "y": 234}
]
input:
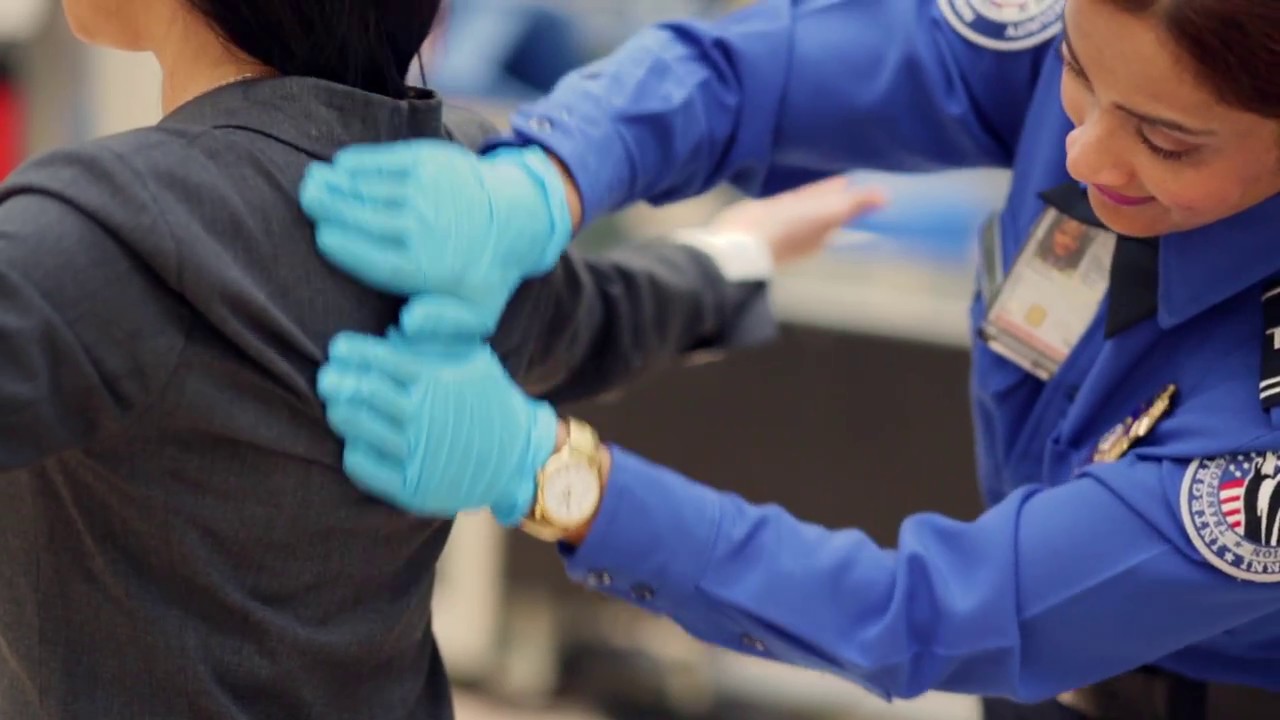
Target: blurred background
[{"x": 858, "y": 416}]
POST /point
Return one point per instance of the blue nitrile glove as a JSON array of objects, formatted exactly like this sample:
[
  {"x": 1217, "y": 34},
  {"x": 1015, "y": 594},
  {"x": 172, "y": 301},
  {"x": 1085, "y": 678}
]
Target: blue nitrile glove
[
  {"x": 436, "y": 427},
  {"x": 429, "y": 318},
  {"x": 432, "y": 216}
]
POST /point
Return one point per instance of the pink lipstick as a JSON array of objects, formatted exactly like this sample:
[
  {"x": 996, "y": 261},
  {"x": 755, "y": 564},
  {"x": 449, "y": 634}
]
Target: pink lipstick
[{"x": 1120, "y": 198}]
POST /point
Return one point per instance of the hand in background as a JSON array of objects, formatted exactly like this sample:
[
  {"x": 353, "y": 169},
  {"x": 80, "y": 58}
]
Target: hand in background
[{"x": 797, "y": 223}]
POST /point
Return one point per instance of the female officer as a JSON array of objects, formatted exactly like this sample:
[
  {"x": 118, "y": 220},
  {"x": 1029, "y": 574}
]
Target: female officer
[{"x": 1126, "y": 413}]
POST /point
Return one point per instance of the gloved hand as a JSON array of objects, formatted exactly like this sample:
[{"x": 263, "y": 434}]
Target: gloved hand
[
  {"x": 436, "y": 426},
  {"x": 432, "y": 216}
]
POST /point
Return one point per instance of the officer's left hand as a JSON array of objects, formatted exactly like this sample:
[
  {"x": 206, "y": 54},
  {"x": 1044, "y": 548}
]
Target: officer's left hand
[
  {"x": 438, "y": 427},
  {"x": 432, "y": 216}
]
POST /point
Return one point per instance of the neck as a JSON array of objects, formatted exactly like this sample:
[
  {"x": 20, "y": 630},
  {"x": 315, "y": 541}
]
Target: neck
[{"x": 194, "y": 59}]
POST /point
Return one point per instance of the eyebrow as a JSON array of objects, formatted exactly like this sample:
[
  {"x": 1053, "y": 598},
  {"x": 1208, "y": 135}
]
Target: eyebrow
[{"x": 1155, "y": 120}]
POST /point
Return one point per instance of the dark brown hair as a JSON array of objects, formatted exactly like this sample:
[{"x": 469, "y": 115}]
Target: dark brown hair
[{"x": 1235, "y": 45}]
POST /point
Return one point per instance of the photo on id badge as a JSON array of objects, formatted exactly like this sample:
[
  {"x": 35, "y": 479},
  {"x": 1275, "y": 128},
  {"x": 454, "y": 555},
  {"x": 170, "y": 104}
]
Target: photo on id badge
[{"x": 1064, "y": 244}]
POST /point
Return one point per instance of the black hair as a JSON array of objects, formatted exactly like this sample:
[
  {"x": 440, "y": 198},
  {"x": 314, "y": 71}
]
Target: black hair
[{"x": 366, "y": 44}]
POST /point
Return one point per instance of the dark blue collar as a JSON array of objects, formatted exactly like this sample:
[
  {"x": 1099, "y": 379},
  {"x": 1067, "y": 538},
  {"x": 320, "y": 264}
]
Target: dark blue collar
[{"x": 1203, "y": 267}]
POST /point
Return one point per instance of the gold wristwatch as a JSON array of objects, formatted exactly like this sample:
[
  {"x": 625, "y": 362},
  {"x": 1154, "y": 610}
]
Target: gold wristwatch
[{"x": 570, "y": 486}]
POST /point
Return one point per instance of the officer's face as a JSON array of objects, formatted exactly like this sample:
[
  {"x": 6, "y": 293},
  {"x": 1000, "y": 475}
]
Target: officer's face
[{"x": 1159, "y": 152}]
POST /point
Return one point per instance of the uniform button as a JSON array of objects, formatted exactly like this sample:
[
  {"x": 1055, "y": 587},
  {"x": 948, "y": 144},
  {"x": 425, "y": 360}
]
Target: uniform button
[
  {"x": 754, "y": 644},
  {"x": 540, "y": 124},
  {"x": 599, "y": 579},
  {"x": 642, "y": 592}
]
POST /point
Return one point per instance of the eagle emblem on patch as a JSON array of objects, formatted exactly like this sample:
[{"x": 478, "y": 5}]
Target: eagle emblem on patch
[
  {"x": 1231, "y": 510},
  {"x": 1004, "y": 25}
]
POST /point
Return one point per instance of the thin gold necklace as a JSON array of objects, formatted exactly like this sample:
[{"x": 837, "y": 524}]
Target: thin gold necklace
[{"x": 234, "y": 80}]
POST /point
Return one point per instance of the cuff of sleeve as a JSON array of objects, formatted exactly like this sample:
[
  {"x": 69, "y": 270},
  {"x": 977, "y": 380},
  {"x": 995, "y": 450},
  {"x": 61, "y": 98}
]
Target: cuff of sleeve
[
  {"x": 740, "y": 257},
  {"x": 601, "y": 171},
  {"x": 653, "y": 536}
]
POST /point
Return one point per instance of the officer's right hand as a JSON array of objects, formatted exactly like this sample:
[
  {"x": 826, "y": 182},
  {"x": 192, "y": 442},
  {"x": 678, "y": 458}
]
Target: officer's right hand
[{"x": 432, "y": 216}]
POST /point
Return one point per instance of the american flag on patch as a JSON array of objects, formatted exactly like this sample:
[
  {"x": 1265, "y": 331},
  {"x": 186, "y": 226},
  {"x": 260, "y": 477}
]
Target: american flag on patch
[{"x": 1231, "y": 499}]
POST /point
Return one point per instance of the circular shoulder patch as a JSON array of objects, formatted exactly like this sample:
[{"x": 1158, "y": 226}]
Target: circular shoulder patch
[
  {"x": 1231, "y": 510},
  {"x": 1004, "y": 25}
]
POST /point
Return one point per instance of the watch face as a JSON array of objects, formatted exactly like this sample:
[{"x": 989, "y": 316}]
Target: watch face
[{"x": 570, "y": 494}]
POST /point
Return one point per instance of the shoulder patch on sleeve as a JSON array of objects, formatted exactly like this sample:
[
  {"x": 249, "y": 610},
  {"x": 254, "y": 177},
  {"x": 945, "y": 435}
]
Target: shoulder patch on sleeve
[
  {"x": 1231, "y": 511},
  {"x": 1004, "y": 25}
]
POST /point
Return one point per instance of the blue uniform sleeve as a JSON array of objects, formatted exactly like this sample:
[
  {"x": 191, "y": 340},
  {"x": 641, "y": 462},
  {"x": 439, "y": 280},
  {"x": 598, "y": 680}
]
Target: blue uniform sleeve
[
  {"x": 782, "y": 92},
  {"x": 1050, "y": 590}
]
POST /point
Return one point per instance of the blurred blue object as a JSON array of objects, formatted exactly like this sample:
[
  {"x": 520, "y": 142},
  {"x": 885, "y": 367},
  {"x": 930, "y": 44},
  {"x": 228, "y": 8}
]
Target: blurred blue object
[
  {"x": 505, "y": 49},
  {"x": 931, "y": 217}
]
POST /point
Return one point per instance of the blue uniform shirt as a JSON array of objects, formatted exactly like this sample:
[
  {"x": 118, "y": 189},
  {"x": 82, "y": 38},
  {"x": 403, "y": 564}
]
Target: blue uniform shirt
[{"x": 1078, "y": 570}]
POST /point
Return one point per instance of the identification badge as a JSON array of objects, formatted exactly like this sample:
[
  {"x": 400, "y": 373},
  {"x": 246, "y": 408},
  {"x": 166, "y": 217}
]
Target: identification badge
[{"x": 1051, "y": 294}]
